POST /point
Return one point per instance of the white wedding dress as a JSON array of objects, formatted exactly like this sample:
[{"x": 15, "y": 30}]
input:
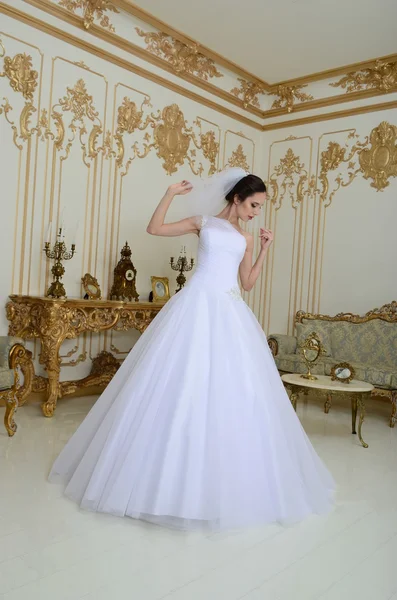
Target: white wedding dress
[{"x": 195, "y": 429}]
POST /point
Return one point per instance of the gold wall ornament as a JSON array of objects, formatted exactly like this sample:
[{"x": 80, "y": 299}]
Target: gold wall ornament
[
  {"x": 248, "y": 92},
  {"x": 171, "y": 138},
  {"x": 379, "y": 162},
  {"x": 382, "y": 77},
  {"x": 183, "y": 58},
  {"x": 22, "y": 77},
  {"x": 239, "y": 159},
  {"x": 288, "y": 167},
  {"x": 79, "y": 102},
  {"x": 287, "y": 95},
  {"x": 330, "y": 160},
  {"x": 92, "y": 10},
  {"x": 210, "y": 148}
]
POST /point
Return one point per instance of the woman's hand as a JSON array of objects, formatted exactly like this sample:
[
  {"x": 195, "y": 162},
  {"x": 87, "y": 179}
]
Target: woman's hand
[
  {"x": 180, "y": 189},
  {"x": 266, "y": 238}
]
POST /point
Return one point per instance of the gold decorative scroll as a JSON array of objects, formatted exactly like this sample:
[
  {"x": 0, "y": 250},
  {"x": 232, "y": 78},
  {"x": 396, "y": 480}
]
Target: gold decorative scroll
[
  {"x": 287, "y": 95},
  {"x": 130, "y": 118},
  {"x": 331, "y": 159},
  {"x": 379, "y": 161},
  {"x": 91, "y": 10},
  {"x": 22, "y": 77},
  {"x": 382, "y": 77},
  {"x": 79, "y": 103},
  {"x": 248, "y": 92},
  {"x": 289, "y": 167},
  {"x": 239, "y": 159},
  {"x": 183, "y": 58},
  {"x": 171, "y": 140}
]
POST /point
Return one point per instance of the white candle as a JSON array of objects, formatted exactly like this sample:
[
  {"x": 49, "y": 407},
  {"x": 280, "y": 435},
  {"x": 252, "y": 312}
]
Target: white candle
[{"x": 49, "y": 232}]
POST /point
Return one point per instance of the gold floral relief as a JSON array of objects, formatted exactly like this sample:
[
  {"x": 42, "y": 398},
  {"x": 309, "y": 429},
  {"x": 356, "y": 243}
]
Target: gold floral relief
[
  {"x": 239, "y": 159},
  {"x": 171, "y": 139},
  {"x": 379, "y": 161},
  {"x": 183, "y": 58},
  {"x": 23, "y": 78},
  {"x": 248, "y": 92},
  {"x": 331, "y": 159},
  {"x": 288, "y": 168},
  {"x": 288, "y": 95},
  {"x": 80, "y": 104},
  {"x": 130, "y": 118},
  {"x": 382, "y": 77},
  {"x": 92, "y": 10},
  {"x": 210, "y": 148}
]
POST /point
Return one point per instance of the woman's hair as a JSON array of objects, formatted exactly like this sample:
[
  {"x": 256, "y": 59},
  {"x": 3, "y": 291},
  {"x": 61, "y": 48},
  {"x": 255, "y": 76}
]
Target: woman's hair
[{"x": 246, "y": 187}]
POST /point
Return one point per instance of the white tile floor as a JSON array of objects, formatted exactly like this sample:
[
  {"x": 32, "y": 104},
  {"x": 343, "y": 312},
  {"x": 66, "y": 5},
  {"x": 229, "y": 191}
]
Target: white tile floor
[{"x": 50, "y": 550}]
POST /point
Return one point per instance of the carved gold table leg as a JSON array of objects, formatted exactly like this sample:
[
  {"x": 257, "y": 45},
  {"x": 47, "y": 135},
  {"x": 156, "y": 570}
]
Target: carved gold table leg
[
  {"x": 328, "y": 403},
  {"x": 294, "y": 397},
  {"x": 11, "y": 407},
  {"x": 354, "y": 413},
  {"x": 361, "y": 406}
]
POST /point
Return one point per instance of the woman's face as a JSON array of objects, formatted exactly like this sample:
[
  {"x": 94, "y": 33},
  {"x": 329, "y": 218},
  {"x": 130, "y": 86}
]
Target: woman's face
[{"x": 250, "y": 207}]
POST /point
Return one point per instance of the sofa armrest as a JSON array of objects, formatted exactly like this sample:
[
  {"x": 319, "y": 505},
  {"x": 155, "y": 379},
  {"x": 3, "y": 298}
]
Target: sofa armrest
[
  {"x": 6, "y": 343},
  {"x": 280, "y": 343}
]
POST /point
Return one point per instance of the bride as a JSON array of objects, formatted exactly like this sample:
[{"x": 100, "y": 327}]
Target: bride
[{"x": 196, "y": 429}]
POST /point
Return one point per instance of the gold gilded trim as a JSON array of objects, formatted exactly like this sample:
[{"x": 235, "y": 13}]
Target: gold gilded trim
[
  {"x": 182, "y": 57},
  {"x": 120, "y": 62},
  {"x": 340, "y": 114},
  {"x": 92, "y": 9},
  {"x": 238, "y": 97},
  {"x": 382, "y": 77}
]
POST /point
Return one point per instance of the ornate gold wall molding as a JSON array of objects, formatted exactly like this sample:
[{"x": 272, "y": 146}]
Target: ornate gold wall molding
[
  {"x": 382, "y": 77},
  {"x": 236, "y": 96},
  {"x": 248, "y": 92},
  {"x": 288, "y": 95},
  {"x": 239, "y": 159},
  {"x": 287, "y": 168},
  {"x": 379, "y": 161},
  {"x": 22, "y": 77},
  {"x": 92, "y": 10},
  {"x": 182, "y": 57}
]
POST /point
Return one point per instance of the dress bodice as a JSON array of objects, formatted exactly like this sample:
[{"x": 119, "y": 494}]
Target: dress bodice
[{"x": 220, "y": 252}]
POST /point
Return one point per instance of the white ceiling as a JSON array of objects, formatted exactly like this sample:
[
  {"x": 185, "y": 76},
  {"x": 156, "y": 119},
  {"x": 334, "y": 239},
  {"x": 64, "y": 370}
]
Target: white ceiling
[{"x": 283, "y": 39}]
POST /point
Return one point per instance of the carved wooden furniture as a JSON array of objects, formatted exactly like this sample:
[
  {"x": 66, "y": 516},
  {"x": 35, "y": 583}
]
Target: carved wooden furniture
[
  {"x": 354, "y": 390},
  {"x": 14, "y": 358},
  {"x": 53, "y": 320},
  {"x": 368, "y": 343}
]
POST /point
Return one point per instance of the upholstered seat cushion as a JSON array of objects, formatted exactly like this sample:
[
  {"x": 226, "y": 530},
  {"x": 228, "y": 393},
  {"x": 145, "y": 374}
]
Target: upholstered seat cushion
[{"x": 6, "y": 378}]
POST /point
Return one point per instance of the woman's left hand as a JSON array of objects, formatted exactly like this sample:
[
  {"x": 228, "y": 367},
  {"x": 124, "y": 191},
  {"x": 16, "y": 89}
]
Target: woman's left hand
[{"x": 266, "y": 238}]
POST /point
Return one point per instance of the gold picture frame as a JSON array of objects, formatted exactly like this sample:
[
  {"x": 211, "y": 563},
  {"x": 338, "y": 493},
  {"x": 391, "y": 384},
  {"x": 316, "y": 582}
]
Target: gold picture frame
[
  {"x": 342, "y": 372},
  {"x": 91, "y": 287},
  {"x": 160, "y": 289}
]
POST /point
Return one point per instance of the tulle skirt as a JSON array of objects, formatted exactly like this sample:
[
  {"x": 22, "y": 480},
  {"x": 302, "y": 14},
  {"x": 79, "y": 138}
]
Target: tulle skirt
[{"x": 196, "y": 430}]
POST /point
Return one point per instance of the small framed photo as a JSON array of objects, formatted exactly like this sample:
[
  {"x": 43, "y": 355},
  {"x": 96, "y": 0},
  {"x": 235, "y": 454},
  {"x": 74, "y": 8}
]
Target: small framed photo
[
  {"x": 342, "y": 372},
  {"x": 160, "y": 289},
  {"x": 91, "y": 287}
]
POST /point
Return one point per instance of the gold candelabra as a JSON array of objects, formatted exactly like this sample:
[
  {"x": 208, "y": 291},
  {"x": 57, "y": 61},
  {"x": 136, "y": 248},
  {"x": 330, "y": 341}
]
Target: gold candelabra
[
  {"x": 58, "y": 254},
  {"x": 183, "y": 266}
]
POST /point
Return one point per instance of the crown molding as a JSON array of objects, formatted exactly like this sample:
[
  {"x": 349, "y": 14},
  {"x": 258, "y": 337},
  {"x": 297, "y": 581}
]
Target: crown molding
[
  {"x": 78, "y": 42},
  {"x": 339, "y": 114}
]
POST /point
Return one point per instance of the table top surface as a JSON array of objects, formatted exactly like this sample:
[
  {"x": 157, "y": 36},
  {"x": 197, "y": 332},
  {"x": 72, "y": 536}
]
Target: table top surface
[{"x": 324, "y": 382}]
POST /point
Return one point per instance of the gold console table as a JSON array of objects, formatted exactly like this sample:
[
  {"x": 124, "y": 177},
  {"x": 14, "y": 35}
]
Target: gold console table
[{"x": 53, "y": 320}]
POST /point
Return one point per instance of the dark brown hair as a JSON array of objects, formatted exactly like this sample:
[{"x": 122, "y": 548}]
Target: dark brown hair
[{"x": 246, "y": 187}]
